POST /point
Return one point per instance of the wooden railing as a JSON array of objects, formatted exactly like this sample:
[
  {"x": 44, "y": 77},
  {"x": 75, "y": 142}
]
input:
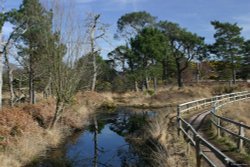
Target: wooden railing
[
  {"x": 198, "y": 141},
  {"x": 217, "y": 121}
]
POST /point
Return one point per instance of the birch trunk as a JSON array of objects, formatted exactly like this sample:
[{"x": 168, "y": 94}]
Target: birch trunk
[
  {"x": 136, "y": 86},
  {"x": 92, "y": 43},
  {"x": 10, "y": 79}
]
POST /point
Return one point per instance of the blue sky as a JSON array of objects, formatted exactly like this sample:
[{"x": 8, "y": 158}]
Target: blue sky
[{"x": 195, "y": 15}]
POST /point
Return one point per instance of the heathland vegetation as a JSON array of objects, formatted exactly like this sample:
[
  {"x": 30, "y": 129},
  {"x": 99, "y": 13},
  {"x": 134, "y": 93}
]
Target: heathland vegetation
[{"x": 53, "y": 76}]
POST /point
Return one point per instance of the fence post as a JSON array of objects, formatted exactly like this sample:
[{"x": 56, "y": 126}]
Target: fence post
[
  {"x": 213, "y": 105},
  {"x": 179, "y": 120},
  {"x": 218, "y": 128},
  {"x": 188, "y": 141},
  {"x": 242, "y": 134},
  {"x": 217, "y": 122},
  {"x": 197, "y": 150}
]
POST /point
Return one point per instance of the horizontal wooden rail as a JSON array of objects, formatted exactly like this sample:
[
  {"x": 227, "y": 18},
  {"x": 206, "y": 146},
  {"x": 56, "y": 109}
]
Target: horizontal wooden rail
[
  {"x": 241, "y": 127},
  {"x": 211, "y": 163},
  {"x": 231, "y": 121},
  {"x": 192, "y": 136},
  {"x": 231, "y": 133}
]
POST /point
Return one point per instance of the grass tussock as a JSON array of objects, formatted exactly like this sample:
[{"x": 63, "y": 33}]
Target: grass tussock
[
  {"x": 8, "y": 160},
  {"x": 23, "y": 135},
  {"x": 168, "y": 148}
]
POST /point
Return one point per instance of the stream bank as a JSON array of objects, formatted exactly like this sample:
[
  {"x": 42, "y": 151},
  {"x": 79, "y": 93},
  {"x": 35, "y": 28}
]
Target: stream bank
[{"x": 109, "y": 140}]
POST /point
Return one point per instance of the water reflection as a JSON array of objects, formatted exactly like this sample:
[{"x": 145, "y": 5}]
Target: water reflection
[{"x": 103, "y": 143}]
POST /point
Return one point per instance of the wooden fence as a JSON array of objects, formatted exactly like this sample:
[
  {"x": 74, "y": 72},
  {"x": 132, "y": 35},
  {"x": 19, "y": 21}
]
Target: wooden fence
[{"x": 198, "y": 141}]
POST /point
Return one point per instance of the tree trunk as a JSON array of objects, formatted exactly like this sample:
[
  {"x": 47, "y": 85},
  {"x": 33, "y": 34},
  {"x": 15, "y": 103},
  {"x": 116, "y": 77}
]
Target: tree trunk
[
  {"x": 47, "y": 89},
  {"x": 31, "y": 88},
  {"x": 1, "y": 55},
  {"x": 197, "y": 72},
  {"x": 1, "y": 77},
  {"x": 1, "y": 70},
  {"x": 155, "y": 84},
  {"x": 142, "y": 85},
  {"x": 94, "y": 73},
  {"x": 31, "y": 81},
  {"x": 233, "y": 69},
  {"x": 136, "y": 86},
  {"x": 95, "y": 160},
  {"x": 10, "y": 79},
  {"x": 179, "y": 74},
  {"x": 20, "y": 83},
  {"x": 147, "y": 83},
  {"x": 92, "y": 43},
  {"x": 58, "y": 112},
  {"x": 11, "y": 87},
  {"x": 234, "y": 75},
  {"x": 164, "y": 71}
]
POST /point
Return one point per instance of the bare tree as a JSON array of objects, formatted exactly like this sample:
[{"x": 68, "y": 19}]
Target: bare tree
[
  {"x": 96, "y": 30},
  {"x": 1, "y": 71},
  {"x": 64, "y": 49},
  {"x": 6, "y": 51},
  {"x": 1, "y": 52},
  {"x": 9, "y": 72}
]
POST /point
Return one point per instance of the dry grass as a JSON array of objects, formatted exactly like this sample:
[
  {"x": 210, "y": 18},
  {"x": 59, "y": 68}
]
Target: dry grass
[
  {"x": 55, "y": 135},
  {"x": 30, "y": 146},
  {"x": 23, "y": 138},
  {"x": 7, "y": 160},
  {"x": 170, "y": 149},
  {"x": 24, "y": 133},
  {"x": 238, "y": 111},
  {"x": 167, "y": 96}
]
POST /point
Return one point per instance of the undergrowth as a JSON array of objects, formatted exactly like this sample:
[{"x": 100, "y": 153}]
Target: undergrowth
[{"x": 24, "y": 132}]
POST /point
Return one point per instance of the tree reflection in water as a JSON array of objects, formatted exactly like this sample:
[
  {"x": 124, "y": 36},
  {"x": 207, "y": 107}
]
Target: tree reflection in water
[{"x": 104, "y": 142}]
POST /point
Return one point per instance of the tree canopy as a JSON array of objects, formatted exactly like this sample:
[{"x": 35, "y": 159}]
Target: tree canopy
[{"x": 228, "y": 44}]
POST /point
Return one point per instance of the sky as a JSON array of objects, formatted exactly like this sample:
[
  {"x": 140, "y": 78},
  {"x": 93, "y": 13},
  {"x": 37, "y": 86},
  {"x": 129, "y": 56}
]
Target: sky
[{"x": 194, "y": 15}]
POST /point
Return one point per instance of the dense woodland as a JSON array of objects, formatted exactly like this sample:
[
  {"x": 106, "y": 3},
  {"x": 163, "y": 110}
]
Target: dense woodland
[{"x": 48, "y": 53}]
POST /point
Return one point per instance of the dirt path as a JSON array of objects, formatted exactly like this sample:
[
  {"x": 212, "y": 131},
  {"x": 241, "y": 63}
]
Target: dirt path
[{"x": 197, "y": 121}]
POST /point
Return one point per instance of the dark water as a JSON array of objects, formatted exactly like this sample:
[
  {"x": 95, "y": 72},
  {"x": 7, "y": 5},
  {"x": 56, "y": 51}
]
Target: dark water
[{"x": 103, "y": 143}]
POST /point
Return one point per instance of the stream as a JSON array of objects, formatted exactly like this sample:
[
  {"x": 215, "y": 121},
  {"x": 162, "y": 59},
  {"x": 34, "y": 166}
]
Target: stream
[{"x": 104, "y": 142}]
